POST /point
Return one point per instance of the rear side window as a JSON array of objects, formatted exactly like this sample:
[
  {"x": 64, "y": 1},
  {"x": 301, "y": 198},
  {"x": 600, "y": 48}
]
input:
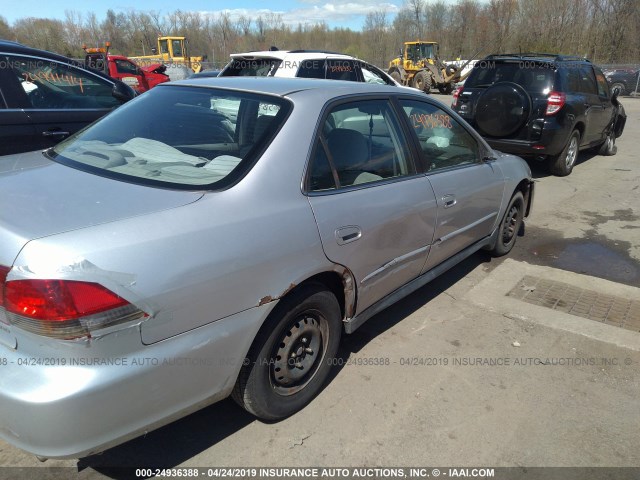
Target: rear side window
[
  {"x": 534, "y": 77},
  {"x": 335, "y": 69},
  {"x": 52, "y": 85},
  {"x": 178, "y": 136},
  {"x": 251, "y": 67},
  {"x": 311, "y": 69}
]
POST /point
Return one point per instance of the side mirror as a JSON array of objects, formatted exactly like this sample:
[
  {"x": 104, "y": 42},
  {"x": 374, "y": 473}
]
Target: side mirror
[
  {"x": 615, "y": 91},
  {"x": 122, "y": 92}
]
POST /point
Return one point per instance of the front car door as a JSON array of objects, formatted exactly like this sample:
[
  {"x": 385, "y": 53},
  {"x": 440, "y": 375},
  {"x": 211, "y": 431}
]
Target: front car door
[
  {"x": 375, "y": 213},
  {"x": 468, "y": 187},
  {"x": 59, "y": 99},
  {"x": 130, "y": 74}
]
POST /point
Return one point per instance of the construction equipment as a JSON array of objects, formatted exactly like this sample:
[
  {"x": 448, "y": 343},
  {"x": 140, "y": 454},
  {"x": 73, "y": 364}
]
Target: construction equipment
[
  {"x": 122, "y": 68},
  {"x": 419, "y": 66},
  {"x": 172, "y": 51}
]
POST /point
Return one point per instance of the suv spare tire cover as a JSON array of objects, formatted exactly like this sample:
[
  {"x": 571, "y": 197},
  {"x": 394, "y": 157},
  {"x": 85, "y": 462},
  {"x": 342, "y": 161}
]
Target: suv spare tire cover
[{"x": 502, "y": 109}]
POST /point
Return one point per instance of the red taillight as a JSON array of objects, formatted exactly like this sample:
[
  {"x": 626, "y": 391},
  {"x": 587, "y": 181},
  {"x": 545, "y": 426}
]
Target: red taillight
[
  {"x": 555, "y": 101},
  {"x": 56, "y": 300},
  {"x": 456, "y": 96},
  {"x": 3, "y": 278},
  {"x": 64, "y": 308}
]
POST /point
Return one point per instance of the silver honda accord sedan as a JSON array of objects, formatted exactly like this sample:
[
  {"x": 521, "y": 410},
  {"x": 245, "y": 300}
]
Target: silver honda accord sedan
[{"x": 215, "y": 237}]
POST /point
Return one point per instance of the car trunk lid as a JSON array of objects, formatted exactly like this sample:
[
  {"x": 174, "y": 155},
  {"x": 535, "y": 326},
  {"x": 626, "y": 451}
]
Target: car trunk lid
[{"x": 39, "y": 197}]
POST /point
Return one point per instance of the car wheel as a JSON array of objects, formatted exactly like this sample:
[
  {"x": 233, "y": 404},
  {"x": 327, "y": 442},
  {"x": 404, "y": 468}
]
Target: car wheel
[
  {"x": 422, "y": 81},
  {"x": 561, "y": 165},
  {"x": 396, "y": 76},
  {"x": 609, "y": 147},
  {"x": 510, "y": 226},
  {"x": 289, "y": 360},
  {"x": 446, "y": 89},
  {"x": 619, "y": 86}
]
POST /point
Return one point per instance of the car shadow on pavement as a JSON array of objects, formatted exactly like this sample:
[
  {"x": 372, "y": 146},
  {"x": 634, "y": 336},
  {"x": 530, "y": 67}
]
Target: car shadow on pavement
[
  {"x": 183, "y": 439},
  {"x": 540, "y": 169}
]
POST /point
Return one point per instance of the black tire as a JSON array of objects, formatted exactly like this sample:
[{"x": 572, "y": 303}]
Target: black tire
[
  {"x": 290, "y": 359},
  {"x": 503, "y": 109},
  {"x": 562, "y": 164},
  {"x": 509, "y": 226},
  {"x": 447, "y": 88},
  {"x": 396, "y": 76},
  {"x": 623, "y": 91},
  {"x": 422, "y": 81},
  {"x": 609, "y": 147}
]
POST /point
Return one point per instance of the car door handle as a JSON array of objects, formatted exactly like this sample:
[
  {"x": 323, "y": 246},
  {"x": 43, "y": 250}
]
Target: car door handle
[
  {"x": 57, "y": 133},
  {"x": 449, "y": 200},
  {"x": 348, "y": 234}
]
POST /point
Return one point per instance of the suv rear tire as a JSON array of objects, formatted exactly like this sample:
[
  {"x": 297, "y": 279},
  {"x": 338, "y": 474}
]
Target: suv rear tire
[{"x": 561, "y": 165}]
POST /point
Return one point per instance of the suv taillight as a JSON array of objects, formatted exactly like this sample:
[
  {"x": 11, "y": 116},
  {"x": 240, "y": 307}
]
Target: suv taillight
[
  {"x": 555, "y": 101},
  {"x": 63, "y": 309},
  {"x": 456, "y": 96}
]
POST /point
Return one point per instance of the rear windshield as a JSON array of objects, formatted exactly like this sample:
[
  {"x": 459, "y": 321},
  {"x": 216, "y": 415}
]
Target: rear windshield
[
  {"x": 178, "y": 136},
  {"x": 251, "y": 67},
  {"x": 535, "y": 77}
]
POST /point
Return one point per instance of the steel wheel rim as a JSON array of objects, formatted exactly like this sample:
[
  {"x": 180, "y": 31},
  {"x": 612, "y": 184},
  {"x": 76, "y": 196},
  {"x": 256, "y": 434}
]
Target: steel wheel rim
[
  {"x": 572, "y": 152},
  {"x": 509, "y": 226},
  {"x": 298, "y": 356}
]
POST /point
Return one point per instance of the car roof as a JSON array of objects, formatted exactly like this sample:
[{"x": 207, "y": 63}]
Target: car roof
[
  {"x": 292, "y": 55},
  {"x": 284, "y": 86},
  {"x": 541, "y": 57},
  {"x": 15, "y": 47}
]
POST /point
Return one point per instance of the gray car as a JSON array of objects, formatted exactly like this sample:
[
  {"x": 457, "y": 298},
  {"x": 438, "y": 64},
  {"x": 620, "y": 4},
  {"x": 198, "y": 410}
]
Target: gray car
[{"x": 215, "y": 237}]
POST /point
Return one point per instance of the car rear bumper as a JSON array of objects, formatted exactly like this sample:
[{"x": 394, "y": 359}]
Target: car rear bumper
[{"x": 78, "y": 398}]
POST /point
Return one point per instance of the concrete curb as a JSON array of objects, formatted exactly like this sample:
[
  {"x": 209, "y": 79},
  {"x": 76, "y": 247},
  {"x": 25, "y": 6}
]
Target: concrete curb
[{"x": 491, "y": 293}]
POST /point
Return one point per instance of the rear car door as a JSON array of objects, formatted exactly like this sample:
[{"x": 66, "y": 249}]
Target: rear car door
[
  {"x": 16, "y": 130},
  {"x": 375, "y": 214},
  {"x": 58, "y": 99},
  {"x": 468, "y": 187}
]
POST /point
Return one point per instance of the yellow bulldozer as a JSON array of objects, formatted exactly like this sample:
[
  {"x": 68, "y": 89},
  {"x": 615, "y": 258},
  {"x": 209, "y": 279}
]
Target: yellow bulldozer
[
  {"x": 419, "y": 66},
  {"x": 172, "y": 51}
]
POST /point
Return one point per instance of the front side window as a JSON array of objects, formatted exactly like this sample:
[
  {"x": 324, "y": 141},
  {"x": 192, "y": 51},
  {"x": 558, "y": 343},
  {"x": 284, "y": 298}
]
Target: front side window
[
  {"x": 123, "y": 66},
  {"x": 371, "y": 76},
  {"x": 603, "y": 85},
  {"x": 443, "y": 141},
  {"x": 52, "y": 85},
  {"x": 360, "y": 143},
  {"x": 164, "y": 46},
  {"x": 178, "y": 136}
]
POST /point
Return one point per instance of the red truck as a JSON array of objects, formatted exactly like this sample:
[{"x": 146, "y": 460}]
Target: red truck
[{"x": 121, "y": 68}]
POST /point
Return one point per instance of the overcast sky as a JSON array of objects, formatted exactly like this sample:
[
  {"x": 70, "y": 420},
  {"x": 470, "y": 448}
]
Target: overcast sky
[{"x": 344, "y": 13}]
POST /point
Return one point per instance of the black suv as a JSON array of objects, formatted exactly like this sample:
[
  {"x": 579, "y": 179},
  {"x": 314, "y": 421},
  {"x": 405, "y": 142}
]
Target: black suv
[
  {"x": 542, "y": 106},
  {"x": 46, "y": 97}
]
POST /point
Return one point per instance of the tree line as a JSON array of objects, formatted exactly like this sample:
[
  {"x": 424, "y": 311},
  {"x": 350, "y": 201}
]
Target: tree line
[{"x": 605, "y": 31}]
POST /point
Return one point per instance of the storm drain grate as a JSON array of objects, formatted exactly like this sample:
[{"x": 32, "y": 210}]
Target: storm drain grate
[{"x": 581, "y": 302}]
